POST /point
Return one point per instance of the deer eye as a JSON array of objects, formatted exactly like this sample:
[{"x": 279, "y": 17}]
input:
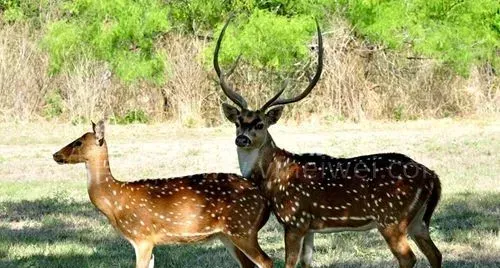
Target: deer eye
[
  {"x": 259, "y": 126},
  {"x": 237, "y": 124},
  {"x": 77, "y": 143}
]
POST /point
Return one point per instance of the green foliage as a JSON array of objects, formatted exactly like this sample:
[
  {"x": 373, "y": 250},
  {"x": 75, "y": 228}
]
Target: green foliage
[
  {"x": 270, "y": 33},
  {"x": 195, "y": 14},
  {"x": 13, "y": 14},
  {"x": 203, "y": 15},
  {"x": 132, "y": 116},
  {"x": 53, "y": 105},
  {"x": 34, "y": 11},
  {"x": 457, "y": 32},
  {"x": 399, "y": 113},
  {"x": 120, "y": 32},
  {"x": 267, "y": 40}
]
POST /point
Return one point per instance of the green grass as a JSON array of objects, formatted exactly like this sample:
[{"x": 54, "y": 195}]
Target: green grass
[{"x": 47, "y": 220}]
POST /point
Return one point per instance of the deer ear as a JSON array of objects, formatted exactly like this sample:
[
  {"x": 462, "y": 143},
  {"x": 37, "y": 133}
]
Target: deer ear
[
  {"x": 273, "y": 115},
  {"x": 99, "y": 132},
  {"x": 230, "y": 112}
]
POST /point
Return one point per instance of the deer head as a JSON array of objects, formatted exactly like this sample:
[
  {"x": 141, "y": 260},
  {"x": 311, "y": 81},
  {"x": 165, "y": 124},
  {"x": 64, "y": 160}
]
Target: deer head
[
  {"x": 252, "y": 125},
  {"x": 84, "y": 148}
]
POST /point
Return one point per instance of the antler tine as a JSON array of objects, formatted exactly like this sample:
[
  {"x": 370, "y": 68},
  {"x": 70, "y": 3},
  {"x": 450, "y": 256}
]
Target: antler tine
[
  {"x": 269, "y": 102},
  {"x": 230, "y": 72},
  {"x": 312, "y": 82},
  {"x": 230, "y": 93}
]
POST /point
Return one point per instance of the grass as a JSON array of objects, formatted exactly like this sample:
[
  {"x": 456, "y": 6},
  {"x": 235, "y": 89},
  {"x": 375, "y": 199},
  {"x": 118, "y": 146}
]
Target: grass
[{"x": 47, "y": 220}]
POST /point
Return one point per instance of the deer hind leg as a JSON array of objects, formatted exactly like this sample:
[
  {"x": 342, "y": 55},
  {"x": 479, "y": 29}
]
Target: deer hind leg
[
  {"x": 251, "y": 249},
  {"x": 143, "y": 254},
  {"x": 293, "y": 244},
  {"x": 419, "y": 232},
  {"x": 307, "y": 251},
  {"x": 236, "y": 253},
  {"x": 397, "y": 240}
]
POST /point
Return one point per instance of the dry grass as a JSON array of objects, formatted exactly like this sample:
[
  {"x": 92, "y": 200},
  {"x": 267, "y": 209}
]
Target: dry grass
[
  {"x": 189, "y": 95},
  {"x": 359, "y": 82},
  {"x": 46, "y": 219},
  {"x": 23, "y": 74}
]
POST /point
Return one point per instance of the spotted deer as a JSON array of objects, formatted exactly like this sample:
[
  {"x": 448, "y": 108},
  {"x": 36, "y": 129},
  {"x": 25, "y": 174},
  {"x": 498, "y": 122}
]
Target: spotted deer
[
  {"x": 312, "y": 193},
  {"x": 175, "y": 210}
]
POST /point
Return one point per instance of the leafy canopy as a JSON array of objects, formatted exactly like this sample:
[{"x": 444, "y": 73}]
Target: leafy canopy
[
  {"x": 269, "y": 33},
  {"x": 121, "y": 32},
  {"x": 204, "y": 15},
  {"x": 460, "y": 33},
  {"x": 267, "y": 40}
]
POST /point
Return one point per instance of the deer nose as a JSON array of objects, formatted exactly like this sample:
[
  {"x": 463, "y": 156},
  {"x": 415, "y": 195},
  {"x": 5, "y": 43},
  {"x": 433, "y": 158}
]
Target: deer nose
[
  {"x": 58, "y": 158},
  {"x": 242, "y": 141}
]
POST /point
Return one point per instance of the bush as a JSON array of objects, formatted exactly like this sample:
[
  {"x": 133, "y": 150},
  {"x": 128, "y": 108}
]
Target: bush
[
  {"x": 36, "y": 12},
  {"x": 120, "y": 32},
  {"x": 267, "y": 40},
  {"x": 132, "y": 116},
  {"x": 458, "y": 33},
  {"x": 202, "y": 15},
  {"x": 53, "y": 105}
]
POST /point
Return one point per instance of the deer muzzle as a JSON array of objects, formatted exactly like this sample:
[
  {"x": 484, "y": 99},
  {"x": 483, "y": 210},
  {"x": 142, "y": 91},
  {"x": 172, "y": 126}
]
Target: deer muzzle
[
  {"x": 242, "y": 141},
  {"x": 58, "y": 158}
]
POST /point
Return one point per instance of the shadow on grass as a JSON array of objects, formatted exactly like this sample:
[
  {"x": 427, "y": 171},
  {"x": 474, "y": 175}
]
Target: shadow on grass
[
  {"x": 464, "y": 213},
  {"x": 462, "y": 218},
  {"x": 385, "y": 264},
  {"x": 49, "y": 223},
  {"x": 63, "y": 228}
]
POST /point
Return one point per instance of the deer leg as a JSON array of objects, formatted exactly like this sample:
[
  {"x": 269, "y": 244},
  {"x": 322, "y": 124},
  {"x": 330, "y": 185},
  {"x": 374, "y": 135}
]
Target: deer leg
[
  {"x": 307, "y": 251},
  {"x": 250, "y": 247},
  {"x": 425, "y": 244},
  {"x": 398, "y": 243},
  {"x": 293, "y": 244},
  {"x": 143, "y": 254},
  {"x": 419, "y": 232},
  {"x": 236, "y": 253}
]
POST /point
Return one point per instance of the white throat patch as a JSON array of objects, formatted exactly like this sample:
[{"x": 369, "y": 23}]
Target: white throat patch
[
  {"x": 89, "y": 176},
  {"x": 247, "y": 160}
]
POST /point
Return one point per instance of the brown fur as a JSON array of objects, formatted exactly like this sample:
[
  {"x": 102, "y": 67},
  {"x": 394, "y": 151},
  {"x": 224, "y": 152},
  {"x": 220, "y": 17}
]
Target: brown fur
[{"x": 175, "y": 210}]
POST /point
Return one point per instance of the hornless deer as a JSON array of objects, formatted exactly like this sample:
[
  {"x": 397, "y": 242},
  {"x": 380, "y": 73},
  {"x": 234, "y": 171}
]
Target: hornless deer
[
  {"x": 317, "y": 193},
  {"x": 176, "y": 210}
]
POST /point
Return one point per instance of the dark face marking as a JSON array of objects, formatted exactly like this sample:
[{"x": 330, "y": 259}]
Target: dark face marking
[
  {"x": 250, "y": 125},
  {"x": 251, "y": 128}
]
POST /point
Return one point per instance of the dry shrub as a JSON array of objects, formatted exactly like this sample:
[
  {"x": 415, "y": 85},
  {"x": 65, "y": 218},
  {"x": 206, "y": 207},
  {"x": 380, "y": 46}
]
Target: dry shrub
[
  {"x": 91, "y": 92},
  {"x": 87, "y": 91},
  {"x": 359, "y": 82},
  {"x": 23, "y": 74},
  {"x": 484, "y": 88},
  {"x": 189, "y": 97},
  {"x": 343, "y": 91}
]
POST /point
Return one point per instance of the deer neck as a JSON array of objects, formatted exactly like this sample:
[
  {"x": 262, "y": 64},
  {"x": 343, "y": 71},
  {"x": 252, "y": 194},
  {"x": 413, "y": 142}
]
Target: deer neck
[
  {"x": 102, "y": 187},
  {"x": 254, "y": 162}
]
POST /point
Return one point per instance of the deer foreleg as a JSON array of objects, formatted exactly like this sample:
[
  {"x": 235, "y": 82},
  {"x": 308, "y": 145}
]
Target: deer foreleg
[
  {"x": 293, "y": 245},
  {"x": 143, "y": 254},
  {"x": 307, "y": 250}
]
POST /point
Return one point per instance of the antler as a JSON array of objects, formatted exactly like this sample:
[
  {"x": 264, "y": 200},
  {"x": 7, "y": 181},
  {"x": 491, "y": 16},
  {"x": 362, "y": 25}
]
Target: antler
[
  {"x": 230, "y": 93},
  {"x": 312, "y": 82}
]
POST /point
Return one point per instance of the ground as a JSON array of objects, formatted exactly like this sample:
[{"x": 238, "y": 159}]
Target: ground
[{"x": 47, "y": 220}]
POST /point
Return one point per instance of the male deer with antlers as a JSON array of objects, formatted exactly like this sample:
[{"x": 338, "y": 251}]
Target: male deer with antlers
[
  {"x": 176, "y": 210},
  {"x": 317, "y": 193}
]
